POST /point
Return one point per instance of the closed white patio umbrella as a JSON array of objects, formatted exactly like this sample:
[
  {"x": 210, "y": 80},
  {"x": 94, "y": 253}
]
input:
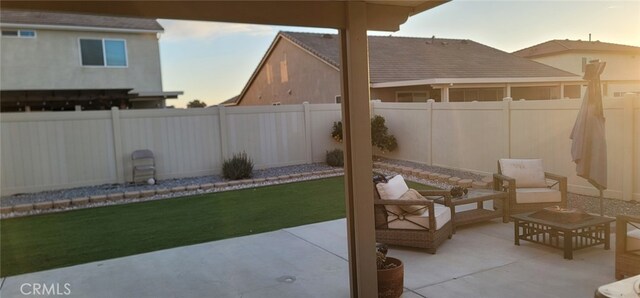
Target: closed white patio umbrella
[{"x": 589, "y": 147}]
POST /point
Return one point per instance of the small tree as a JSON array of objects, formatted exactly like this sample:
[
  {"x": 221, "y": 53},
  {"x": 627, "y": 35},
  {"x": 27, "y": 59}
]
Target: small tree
[
  {"x": 196, "y": 104},
  {"x": 380, "y": 136}
]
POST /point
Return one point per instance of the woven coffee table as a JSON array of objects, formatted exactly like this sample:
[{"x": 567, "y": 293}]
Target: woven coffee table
[
  {"x": 478, "y": 214},
  {"x": 590, "y": 231}
]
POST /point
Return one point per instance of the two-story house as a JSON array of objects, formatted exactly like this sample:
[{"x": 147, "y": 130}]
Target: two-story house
[
  {"x": 302, "y": 67},
  {"x": 621, "y": 74},
  {"x": 61, "y": 62}
]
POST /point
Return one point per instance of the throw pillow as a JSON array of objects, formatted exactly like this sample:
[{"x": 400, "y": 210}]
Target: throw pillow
[
  {"x": 528, "y": 173},
  {"x": 392, "y": 190},
  {"x": 413, "y": 194}
]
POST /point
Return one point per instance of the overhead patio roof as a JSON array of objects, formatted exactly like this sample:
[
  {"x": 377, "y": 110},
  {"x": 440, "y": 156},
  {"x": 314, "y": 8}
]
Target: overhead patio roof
[
  {"x": 353, "y": 19},
  {"x": 381, "y": 15}
]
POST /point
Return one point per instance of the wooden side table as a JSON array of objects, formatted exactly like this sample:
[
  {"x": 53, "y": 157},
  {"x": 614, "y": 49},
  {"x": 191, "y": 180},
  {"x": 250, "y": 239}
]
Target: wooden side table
[{"x": 479, "y": 214}]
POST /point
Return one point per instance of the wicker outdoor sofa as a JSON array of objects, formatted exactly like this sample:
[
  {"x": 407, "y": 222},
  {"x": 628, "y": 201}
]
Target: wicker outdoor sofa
[{"x": 413, "y": 232}]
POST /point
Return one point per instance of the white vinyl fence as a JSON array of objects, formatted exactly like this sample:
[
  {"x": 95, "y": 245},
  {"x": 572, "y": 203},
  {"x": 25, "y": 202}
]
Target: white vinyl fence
[
  {"x": 53, "y": 150},
  {"x": 472, "y": 136}
]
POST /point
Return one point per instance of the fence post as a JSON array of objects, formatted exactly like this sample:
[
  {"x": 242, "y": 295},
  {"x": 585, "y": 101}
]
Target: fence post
[
  {"x": 307, "y": 131},
  {"x": 627, "y": 152},
  {"x": 222, "y": 115},
  {"x": 429, "y": 131},
  {"x": 117, "y": 144},
  {"x": 506, "y": 127}
]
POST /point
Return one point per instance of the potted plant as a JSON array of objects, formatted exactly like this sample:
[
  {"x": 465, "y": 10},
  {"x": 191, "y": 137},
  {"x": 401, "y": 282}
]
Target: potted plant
[{"x": 390, "y": 274}]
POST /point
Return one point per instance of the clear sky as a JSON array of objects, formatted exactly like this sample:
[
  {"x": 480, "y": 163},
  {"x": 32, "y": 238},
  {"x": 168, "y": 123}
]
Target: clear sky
[{"x": 213, "y": 61}]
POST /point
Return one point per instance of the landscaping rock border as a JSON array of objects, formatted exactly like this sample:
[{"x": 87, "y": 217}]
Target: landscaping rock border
[{"x": 20, "y": 210}]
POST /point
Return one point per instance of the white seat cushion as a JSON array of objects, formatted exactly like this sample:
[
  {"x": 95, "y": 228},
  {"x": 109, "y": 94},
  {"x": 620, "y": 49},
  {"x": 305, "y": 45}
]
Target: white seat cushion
[
  {"x": 409, "y": 221},
  {"x": 537, "y": 195},
  {"x": 527, "y": 172},
  {"x": 633, "y": 240},
  {"x": 392, "y": 190}
]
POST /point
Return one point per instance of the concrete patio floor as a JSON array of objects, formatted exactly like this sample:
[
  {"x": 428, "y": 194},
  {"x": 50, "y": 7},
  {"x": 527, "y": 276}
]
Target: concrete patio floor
[{"x": 311, "y": 261}]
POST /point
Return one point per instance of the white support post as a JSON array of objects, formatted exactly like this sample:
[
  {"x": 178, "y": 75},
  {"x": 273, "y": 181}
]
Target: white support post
[
  {"x": 357, "y": 143},
  {"x": 445, "y": 94},
  {"x": 628, "y": 175},
  {"x": 561, "y": 90},
  {"x": 307, "y": 132},
  {"x": 429, "y": 131},
  {"x": 506, "y": 126},
  {"x": 117, "y": 144},
  {"x": 222, "y": 116},
  {"x": 508, "y": 90}
]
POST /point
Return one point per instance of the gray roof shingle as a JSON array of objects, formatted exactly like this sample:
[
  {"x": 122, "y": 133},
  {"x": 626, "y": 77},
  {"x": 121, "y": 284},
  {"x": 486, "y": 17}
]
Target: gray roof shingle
[
  {"x": 80, "y": 20},
  {"x": 559, "y": 46},
  {"x": 394, "y": 59}
]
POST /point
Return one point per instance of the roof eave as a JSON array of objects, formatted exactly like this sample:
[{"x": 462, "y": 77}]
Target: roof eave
[
  {"x": 444, "y": 81},
  {"x": 77, "y": 28}
]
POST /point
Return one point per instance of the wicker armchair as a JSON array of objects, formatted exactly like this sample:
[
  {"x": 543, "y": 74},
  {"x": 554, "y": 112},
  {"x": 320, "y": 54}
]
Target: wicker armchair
[
  {"x": 516, "y": 205},
  {"x": 413, "y": 233},
  {"x": 627, "y": 246}
]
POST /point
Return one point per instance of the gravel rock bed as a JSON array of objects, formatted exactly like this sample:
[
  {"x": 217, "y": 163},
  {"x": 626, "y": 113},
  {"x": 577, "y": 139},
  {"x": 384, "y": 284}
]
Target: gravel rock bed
[
  {"x": 178, "y": 195},
  {"x": 611, "y": 208},
  {"x": 435, "y": 169},
  {"x": 106, "y": 189}
]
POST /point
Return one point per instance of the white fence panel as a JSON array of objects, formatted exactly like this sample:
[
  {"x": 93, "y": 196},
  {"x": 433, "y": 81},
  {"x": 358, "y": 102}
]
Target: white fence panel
[
  {"x": 541, "y": 129},
  {"x": 271, "y": 135},
  {"x": 44, "y": 151},
  {"x": 470, "y": 136},
  {"x": 185, "y": 142},
  {"x": 410, "y": 123},
  {"x": 636, "y": 145},
  {"x": 322, "y": 118}
]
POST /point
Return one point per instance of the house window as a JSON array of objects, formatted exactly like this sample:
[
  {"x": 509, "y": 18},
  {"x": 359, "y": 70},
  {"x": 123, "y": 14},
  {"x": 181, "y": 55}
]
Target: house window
[
  {"x": 269, "y": 74},
  {"x": 411, "y": 96},
  {"x": 275, "y": 103},
  {"x": 19, "y": 33},
  {"x": 475, "y": 94},
  {"x": 621, "y": 94},
  {"x": 338, "y": 98},
  {"x": 103, "y": 52},
  {"x": 572, "y": 91}
]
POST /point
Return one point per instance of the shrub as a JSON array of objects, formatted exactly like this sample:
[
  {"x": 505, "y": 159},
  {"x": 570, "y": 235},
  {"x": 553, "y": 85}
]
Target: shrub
[
  {"x": 335, "y": 158},
  {"x": 336, "y": 131},
  {"x": 380, "y": 136},
  {"x": 240, "y": 166}
]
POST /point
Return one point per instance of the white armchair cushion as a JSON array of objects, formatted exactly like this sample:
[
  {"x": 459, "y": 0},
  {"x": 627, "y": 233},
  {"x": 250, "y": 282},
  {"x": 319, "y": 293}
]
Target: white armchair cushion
[
  {"x": 537, "y": 195},
  {"x": 418, "y": 222},
  {"x": 392, "y": 190},
  {"x": 527, "y": 172},
  {"x": 633, "y": 240}
]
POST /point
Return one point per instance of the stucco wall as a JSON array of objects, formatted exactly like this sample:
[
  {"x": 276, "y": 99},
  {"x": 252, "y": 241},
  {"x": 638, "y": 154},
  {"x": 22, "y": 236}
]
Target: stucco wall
[
  {"x": 52, "y": 61},
  {"x": 619, "y": 66},
  {"x": 291, "y": 68}
]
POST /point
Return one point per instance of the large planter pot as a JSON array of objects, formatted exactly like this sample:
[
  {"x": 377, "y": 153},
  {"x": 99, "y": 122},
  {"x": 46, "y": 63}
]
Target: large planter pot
[{"x": 391, "y": 281}]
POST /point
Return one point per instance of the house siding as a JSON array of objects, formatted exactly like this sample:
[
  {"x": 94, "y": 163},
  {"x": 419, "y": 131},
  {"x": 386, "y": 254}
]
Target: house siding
[
  {"x": 52, "y": 61},
  {"x": 291, "y": 75},
  {"x": 622, "y": 73},
  {"x": 619, "y": 66}
]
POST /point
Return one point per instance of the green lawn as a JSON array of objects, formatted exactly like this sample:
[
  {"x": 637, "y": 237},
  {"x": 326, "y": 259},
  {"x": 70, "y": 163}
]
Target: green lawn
[{"x": 49, "y": 241}]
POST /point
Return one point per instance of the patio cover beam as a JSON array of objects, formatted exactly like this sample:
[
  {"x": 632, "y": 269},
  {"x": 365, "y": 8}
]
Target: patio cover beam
[
  {"x": 381, "y": 15},
  {"x": 353, "y": 19},
  {"x": 358, "y": 166}
]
